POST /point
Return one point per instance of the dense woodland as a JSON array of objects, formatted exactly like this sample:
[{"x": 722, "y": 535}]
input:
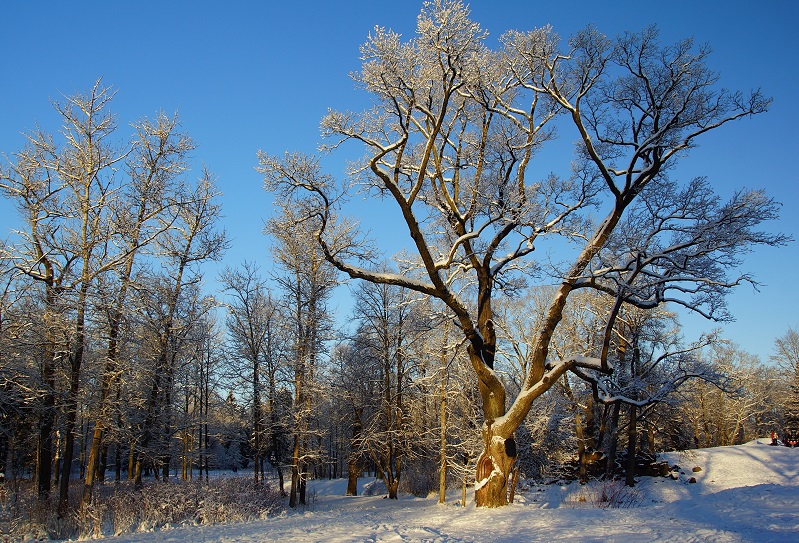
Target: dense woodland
[{"x": 118, "y": 362}]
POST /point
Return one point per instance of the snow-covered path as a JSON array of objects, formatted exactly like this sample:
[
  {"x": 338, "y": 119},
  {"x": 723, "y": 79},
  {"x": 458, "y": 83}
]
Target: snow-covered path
[{"x": 745, "y": 493}]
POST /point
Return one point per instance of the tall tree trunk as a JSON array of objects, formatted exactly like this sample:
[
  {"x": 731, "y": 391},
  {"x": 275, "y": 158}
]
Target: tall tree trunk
[
  {"x": 69, "y": 443},
  {"x": 57, "y": 459},
  {"x": 581, "y": 456},
  {"x": 45, "y": 450},
  {"x": 465, "y": 482},
  {"x": 93, "y": 463},
  {"x": 442, "y": 437},
  {"x": 103, "y": 462},
  {"x": 632, "y": 434},
  {"x": 603, "y": 428},
  {"x": 613, "y": 437},
  {"x": 132, "y": 460},
  {"x": 495, "y": 463},
  {"x": 117, "y": 462},
  {"x": 257, "y": 423},
  {"x": 106, "y": 383},
  {"x": 76, "y": 361},
  {"x": 632, "y": 430},
  {"x": 295, "y": 471},
  {"x": 353, "y": 464}
]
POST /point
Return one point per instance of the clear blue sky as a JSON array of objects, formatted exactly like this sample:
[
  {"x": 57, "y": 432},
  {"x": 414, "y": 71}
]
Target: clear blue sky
[{"x": 259, "y": 75}]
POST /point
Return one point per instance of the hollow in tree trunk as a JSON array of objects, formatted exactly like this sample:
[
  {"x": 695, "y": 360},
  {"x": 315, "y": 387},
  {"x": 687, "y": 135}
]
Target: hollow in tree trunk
[{"x": 494, "y": 469}]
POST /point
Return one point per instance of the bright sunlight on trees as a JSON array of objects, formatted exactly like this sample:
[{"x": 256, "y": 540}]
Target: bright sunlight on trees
[{"x": 451, "y": 141}]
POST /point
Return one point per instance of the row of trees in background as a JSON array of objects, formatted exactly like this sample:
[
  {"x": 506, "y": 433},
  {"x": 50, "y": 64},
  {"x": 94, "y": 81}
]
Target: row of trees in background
[
  {"x": 102, "y": 290},
  {"x": 173, "y": 381}
]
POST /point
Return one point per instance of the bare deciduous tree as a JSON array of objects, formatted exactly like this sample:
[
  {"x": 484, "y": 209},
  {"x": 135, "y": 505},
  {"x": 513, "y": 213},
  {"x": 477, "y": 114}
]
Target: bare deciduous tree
[
  {"x": 67, "y": 191},
  {"x": 193, "y": 238},
  {"x": 306, "y": 280},
  {"x": 148, "y": 209},
  {"x": 387, "y": 328},
  {"x": 254, "y": 330},
  {"x": 786, "y": 355},
  {"x": 450, "y": 142}
]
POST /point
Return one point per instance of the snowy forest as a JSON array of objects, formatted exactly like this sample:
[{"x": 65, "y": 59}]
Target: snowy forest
[{"x": 529, "y": 330}]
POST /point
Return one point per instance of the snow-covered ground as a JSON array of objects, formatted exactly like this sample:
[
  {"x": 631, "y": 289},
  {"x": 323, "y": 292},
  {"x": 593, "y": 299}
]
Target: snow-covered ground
[{"x": 744, "y": 493}]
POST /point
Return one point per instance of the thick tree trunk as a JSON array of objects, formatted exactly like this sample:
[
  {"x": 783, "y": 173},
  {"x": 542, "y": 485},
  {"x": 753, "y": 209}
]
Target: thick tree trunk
[
  {"x": 495, "y": 464},
  {"x": 44, "y": 452},
  {"x": 352, "y": 479},
  {"x": 295, "y": 472},
  {"x": 494, "y": 470},
  {"x": 353, "y": 465}
]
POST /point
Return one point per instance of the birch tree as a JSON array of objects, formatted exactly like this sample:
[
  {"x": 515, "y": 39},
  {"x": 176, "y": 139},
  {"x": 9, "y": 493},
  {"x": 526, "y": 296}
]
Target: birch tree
[{"x": 451, "y": 142}]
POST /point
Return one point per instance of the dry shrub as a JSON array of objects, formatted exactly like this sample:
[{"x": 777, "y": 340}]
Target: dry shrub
[
  {"x": 159, "y": 505},
  {"x": 120, "y": 508},
  {"x": 610, "y": 494}
]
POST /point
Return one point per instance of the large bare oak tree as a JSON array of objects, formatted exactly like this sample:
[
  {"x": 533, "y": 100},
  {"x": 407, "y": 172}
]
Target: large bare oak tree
[{"x": 450, "y": 140}]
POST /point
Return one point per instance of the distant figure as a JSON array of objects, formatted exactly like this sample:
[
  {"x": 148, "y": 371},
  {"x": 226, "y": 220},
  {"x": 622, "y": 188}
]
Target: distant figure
[{"x": 774, "y": 438}]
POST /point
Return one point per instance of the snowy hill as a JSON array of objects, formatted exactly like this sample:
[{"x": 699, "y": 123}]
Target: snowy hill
[{"x": 743, "y": 493}]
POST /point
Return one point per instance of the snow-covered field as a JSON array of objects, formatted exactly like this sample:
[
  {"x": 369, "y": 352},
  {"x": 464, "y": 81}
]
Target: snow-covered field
[{"x": 744, "y": 493}]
